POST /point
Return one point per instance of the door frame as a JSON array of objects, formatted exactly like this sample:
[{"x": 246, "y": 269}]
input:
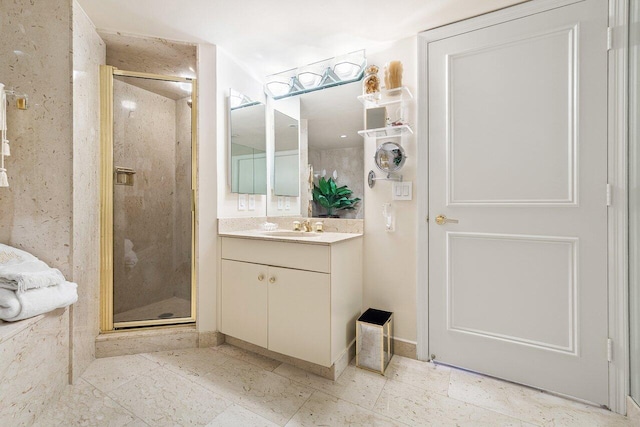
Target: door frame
[
  {"x": 106, "y": 199},
  {"x": 617, "y": 216}
]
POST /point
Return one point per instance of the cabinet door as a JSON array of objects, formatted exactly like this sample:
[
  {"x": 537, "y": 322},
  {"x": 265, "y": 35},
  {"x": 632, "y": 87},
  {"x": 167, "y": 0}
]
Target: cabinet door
[
  {"x": 299, "y": 314},
  {"x": 244, "y": 301}
]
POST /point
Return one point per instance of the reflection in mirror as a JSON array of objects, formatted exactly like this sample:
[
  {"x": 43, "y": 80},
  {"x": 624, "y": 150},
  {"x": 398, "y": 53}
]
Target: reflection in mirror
[
  {"x": 248, "y": 142},
  {"x": 390, "y": 157},
  {"x": 286, "y": 162},
  {"x": 335, "y": 150}
]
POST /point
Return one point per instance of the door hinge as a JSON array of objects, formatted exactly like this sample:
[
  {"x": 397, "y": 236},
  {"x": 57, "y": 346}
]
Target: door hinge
[
  {"x": 426, "y": 218},
  {"x": 609, "y": 350},
  {"x": 609, "y": 38},
  {"x": 609, "y": 195}
]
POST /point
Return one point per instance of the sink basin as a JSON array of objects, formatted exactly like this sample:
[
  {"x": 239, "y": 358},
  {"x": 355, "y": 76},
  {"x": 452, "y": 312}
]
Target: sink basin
[{"x": 291, "y": 233}]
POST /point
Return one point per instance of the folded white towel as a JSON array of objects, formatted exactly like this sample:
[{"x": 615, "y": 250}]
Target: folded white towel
[
  {"x": 19, "y": 271},
  {"x": 22, "y": 305}
]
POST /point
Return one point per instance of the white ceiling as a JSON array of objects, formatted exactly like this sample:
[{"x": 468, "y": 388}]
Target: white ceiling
[{"x": 275, "y": 35}]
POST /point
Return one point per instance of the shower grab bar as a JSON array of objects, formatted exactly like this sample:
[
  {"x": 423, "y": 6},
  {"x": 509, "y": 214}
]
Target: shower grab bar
[{"x": 128, "y": 171}]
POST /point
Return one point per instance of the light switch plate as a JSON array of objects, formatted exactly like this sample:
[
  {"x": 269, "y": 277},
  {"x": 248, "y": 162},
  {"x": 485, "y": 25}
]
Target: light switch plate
[
  {"x": 242, "y": 202},
  {"x": 287, "y": 203},
  {"x": 402, "y": 190},
  {"x": 280, "y": 203},
  {"x": 252, "y": 202}
]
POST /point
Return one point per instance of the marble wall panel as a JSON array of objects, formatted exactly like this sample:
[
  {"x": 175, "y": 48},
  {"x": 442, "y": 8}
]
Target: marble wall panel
[
  {"x": 88, "y": 54},
  {"x": 36, "y": 210},
  {"x": 34, "y": 368},
  {"x": 150, "y": 55}
]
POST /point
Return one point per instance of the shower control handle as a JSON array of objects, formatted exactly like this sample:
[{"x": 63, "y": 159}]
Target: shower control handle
[
  {"x": 260, "y": 277},
  {"x": 272, "y": 279}
]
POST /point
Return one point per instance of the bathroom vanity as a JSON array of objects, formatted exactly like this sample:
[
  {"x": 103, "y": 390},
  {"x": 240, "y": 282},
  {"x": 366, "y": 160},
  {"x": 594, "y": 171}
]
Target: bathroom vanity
[{"x": 298, "y": 296}]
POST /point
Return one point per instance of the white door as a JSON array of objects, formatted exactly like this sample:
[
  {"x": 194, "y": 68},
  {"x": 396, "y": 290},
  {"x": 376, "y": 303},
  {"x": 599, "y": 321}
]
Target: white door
[{"x": 518, "y": 156}]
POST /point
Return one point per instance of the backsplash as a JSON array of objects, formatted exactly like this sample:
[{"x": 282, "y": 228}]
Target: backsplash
[{"x": 227, "y": 225}]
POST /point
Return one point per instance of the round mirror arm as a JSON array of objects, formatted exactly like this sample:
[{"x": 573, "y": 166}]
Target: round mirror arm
[{"x": 372, "y": 178}]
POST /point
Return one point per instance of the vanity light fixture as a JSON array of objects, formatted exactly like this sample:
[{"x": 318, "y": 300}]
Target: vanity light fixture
[
  {"x": 320, "y": 75},
  {"x": 239, "y": 100}
]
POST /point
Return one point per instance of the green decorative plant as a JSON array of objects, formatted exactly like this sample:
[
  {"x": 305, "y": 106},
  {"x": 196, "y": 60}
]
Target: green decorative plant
[{"x": 333, "y": 198}]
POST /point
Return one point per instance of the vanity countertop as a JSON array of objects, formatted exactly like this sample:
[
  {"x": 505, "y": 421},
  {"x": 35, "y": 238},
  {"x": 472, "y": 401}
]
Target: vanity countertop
[{"x": 324, "y": 238}]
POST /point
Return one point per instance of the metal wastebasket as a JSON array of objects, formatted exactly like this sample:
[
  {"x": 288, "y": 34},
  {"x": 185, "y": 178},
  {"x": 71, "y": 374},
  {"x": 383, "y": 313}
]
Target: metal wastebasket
[{"x": 374, "y": 347}]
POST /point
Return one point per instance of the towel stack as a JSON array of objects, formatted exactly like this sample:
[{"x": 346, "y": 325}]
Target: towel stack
[{"x": 29, "y": 287}]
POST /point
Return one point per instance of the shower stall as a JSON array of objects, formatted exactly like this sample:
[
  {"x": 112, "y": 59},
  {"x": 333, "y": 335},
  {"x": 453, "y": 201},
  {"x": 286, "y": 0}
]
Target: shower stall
[{"x": 148, "y": 204}]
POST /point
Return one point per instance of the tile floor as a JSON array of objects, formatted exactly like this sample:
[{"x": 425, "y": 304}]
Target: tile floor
[{"x": 227, "y": 386}]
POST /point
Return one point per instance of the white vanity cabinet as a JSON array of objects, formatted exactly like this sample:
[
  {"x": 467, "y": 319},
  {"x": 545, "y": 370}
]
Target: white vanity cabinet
[{"x": 297, "y": 299}]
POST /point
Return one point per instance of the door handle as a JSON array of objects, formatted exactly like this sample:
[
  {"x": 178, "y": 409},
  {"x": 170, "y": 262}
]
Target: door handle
[{"x": 442, "y": 220}]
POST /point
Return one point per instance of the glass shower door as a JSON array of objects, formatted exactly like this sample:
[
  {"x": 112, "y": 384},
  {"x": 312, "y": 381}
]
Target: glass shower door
[{"x": 152, "y": 206}]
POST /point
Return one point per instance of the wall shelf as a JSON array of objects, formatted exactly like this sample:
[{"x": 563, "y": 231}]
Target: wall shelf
[
  {"x": 386, "y": 97},
  {"x": 386, "y": 132}
]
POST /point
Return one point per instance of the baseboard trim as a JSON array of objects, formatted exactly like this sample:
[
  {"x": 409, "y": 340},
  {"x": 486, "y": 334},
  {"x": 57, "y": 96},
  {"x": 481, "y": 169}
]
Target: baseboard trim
[
  {"x": 210, "y": 339},
  {"x": 331, "y": 373},
  {"x": 633, "y": 410},
  {"x": 405, "y": 348},
  {"x": 138, "y": 341}
]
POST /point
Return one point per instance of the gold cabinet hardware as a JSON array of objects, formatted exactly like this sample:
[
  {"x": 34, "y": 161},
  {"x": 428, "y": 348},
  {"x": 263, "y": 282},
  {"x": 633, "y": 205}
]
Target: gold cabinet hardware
[
  {"x": 272, "y": 280},
  {"x": 260, "y": 277},
  {"x": 442, "y": 220}
]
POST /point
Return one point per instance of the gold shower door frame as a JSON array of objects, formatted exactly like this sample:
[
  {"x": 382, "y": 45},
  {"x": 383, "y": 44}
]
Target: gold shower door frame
[{"x": 106, "y": 199}]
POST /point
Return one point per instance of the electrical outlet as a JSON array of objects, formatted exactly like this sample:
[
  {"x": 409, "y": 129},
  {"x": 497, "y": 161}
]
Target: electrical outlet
[
  {"x": 280, "y": 203},
  {"x": 402, "y": 190},
  {"x": 287, "y": 203},
  {"x": 242, "y": 202},
  {"x": 252, "y": 202}
]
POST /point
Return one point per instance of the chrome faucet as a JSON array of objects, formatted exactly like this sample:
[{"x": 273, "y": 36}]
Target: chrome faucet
[{"x": 306, "y": 225}]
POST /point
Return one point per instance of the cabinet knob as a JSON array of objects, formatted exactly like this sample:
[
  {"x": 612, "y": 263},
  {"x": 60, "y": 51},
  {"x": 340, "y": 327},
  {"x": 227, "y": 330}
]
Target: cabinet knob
[
  {"x": 272, "y": 280},
  {"x": 260, "y": 277}
]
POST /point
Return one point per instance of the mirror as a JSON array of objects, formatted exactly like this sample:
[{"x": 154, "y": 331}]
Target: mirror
[
  {"x": 286, "y": 163},
  {"x": 335, "y": 150},
  {"x": 390, "y": 157},
  {"x": 248, "y": 143}
]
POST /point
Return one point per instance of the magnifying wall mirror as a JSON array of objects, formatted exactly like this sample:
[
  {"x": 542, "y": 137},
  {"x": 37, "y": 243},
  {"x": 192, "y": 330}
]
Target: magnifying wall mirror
[{"x": 390, "y": 157}]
